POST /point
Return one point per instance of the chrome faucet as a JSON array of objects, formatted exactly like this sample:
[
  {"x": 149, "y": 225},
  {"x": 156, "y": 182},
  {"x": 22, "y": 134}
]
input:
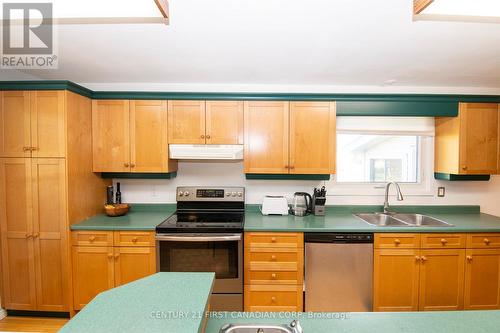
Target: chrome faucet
[{"x": 398, "y": 192}]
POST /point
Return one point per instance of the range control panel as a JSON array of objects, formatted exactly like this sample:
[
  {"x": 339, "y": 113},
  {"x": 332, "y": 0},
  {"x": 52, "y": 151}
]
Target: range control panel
[{"x": 193, "y": 193}]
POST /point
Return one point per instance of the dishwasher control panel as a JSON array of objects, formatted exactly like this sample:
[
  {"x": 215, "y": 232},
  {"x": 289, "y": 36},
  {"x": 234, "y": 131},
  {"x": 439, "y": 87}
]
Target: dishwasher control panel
[{"x": 338, "y": 238}]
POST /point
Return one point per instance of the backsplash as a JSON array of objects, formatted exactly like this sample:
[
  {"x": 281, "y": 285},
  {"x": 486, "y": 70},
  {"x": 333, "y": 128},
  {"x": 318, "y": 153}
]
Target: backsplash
[{"x": 204, "y": 173}]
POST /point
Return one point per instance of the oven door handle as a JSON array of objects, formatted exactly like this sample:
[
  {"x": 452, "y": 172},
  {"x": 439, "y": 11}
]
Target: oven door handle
[{"x": 196, "y": 238}]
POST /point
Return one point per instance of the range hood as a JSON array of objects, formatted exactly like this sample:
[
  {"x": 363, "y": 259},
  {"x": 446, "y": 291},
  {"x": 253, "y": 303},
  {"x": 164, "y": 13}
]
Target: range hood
[{"x": 206, "y": 152}]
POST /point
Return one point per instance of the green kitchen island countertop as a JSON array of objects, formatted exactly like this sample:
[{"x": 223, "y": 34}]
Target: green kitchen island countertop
[
  {"x": 160, "y": 303},
  {"x": 340, "y": 219},
  {"x": 140, "y": 217},
  {"x": 370, "y": 322}
]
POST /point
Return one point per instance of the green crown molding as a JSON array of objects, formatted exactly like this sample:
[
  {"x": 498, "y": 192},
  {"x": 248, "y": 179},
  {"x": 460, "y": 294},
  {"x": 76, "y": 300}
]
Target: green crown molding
[
  {"x": 134, "y": 175},
  {"x": 444, "y": 105},
  {"x": 46, "y": 85},
  {"x": 452, "y": 177},
  {"x": 273, "y": 176}
]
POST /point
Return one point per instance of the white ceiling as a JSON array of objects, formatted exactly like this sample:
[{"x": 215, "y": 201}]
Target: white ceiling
[{"x": 283, "y": 42}]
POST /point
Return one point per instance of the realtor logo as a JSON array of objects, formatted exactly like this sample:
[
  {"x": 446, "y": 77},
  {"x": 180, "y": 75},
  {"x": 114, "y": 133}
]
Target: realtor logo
[{"x": 28, "y": 36}]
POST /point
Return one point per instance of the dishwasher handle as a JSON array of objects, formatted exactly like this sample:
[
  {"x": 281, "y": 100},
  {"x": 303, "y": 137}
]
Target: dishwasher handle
[{"x": 339, "y": 238}]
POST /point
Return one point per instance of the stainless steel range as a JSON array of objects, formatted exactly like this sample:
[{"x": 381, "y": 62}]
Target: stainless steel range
[{"x": 205, "y": 235}]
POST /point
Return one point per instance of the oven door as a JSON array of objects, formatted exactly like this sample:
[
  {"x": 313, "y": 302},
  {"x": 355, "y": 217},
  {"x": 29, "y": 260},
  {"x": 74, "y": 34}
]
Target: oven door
[{"x": 219, "y": 253}]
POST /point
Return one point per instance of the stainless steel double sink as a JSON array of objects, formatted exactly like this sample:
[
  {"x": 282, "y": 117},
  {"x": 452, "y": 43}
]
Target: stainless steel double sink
[{"x": 401, "y": 220}]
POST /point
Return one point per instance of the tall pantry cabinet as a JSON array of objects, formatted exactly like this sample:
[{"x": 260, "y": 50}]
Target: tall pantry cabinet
[{"x": 46, "y": 184}]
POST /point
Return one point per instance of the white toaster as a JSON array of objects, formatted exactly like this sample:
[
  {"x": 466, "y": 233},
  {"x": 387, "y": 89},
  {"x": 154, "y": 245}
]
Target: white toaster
[{"x": 274, "y": 205}]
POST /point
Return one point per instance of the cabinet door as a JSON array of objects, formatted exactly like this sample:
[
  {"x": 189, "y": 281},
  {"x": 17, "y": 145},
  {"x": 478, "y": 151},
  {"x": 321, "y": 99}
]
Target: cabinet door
[
  {"x": 15, "y": 132},
  {"x": 186, "y": 122},
  {"x": 266, "y": 137},
  {"x": 93, "y": 272},
  {"x": 148, "y": 136},
  {"x": 48, "y": 124},
  {"x": 396, "y": 276},
  {"x": 482, "y": 279},
  {"x": 132, "y": 263},
  {"x": 312, "y": 137},
  {"x": 110, "y": 136},
  {"x": 224, "y": 122},
  {"x": 442, "y": 280},
  {"x": 18, "y": 269},
  {"x": 478, "y": 138},
  {"x": 50, "y": 234}
]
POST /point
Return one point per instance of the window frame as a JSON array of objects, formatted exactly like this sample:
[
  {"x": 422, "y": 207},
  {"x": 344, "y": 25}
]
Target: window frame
[{"x": 421, "y": 188}]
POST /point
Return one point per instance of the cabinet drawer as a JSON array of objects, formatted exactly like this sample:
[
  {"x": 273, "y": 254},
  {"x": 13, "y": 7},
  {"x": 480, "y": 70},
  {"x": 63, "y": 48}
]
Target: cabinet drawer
[
  {"x": 273, "y": 298},
  {"x": 92, "y": 238},
  {"x": 274, "y": 239},
  {"x": 273, "y": 277},
  {"x": 273, "y": 255},
  {"x": 443, "y": 241},
  {"x": 483, "y": 241},
  {"x": 134, "y": 238},
  {"x": 397, "y": 241}
]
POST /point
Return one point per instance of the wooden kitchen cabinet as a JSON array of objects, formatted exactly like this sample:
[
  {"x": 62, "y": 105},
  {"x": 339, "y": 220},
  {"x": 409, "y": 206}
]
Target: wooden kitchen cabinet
[
  {"x": 33, "y": 124},
  {"x": 34, "y": 227},
  {"x": 266, "y": 137},
  {"x": 312, "y": 137},
  {"x": 290, "y": 137},
  {"x": 442, "y": 280},
  {"x": 93, "y": 272},
  {"x": 132, "y": 257},
  {"x": 274, "y": 271},
  {"x": 469, "y": 143},
  {"x": 205, "y": 122},
  {"x": 396, "y": 279},
  {"x": 130, "y": 136},
  {"x": 482, "y": 279},
  {"x": 110, "y": 136}
]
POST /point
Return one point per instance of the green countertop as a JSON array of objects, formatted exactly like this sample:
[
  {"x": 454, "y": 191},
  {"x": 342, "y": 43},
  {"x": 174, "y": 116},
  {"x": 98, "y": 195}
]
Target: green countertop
[
  {"x": 160, "y": 303},
  {"x": 340, "y": 219},
  {"x": 337, "y": 219},
  {"x": 387, "y": 322},
  {"x": 140, "y": 217}
]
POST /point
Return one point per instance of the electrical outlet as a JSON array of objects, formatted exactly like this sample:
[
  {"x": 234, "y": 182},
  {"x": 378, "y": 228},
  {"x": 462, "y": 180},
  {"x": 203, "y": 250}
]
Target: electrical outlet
[
  {"x": 441, "y": 191},
  {"x": 154, "y": 193}
]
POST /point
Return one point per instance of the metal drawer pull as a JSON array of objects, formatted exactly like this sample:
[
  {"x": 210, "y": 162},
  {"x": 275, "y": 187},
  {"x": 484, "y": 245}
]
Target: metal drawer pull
[
  {"x": 198, "y": 238},
  {"x": 443, "y": 241},
  {"x": 273, "y": 276},
  {"x": 91, "y": 238},
  {"x": 417, "y": 258},
  {"x": 273, "y": 257},
  {"x": 487, "y": 241},
  {"x": 397, "y": 241},
  {"x": 273, "y": 299},
  {"x": 469, "y": 258},
  {"x": 273, "y": 239},
  {"x": 423, "y": 258},
  {"x": 134, "y": 240}
]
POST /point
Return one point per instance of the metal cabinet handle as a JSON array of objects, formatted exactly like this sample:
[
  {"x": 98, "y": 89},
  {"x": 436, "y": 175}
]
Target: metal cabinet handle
[
  {"x": 464, "y": 167},
  {"x": 28, "y": 236},
  {"x": 91, "y": 238},
  {"x": 134, "y": 240},
  {"x": 26, "y": 148},
  {"x": 423, "y": 258},
  {"x": 273, "y": 299},
  {"x": 36, "y": 234},
  {"x": 486, "y": 241},
  {"x": 208, "y": 136},
  {"x": 126, "y": 165},
  {"x": 110, "y": 255},
  {"x": 132, "y": 165},
  {"x": 202, "y": 136},
  {"x": 469, "y": 258},
  {"x": 273, "y": 240},
  {"x": 33, "y": 148},
  {"x": 287, "y": 167},
  {"x": 273, "y": 257},
  {"x": 443, "y": 241},
  {"x": 397, "y": 241},
  {"x": 273, "y": 276},
  {"x": 117, "y": 255},
  {"x": 417, "y": 258}
]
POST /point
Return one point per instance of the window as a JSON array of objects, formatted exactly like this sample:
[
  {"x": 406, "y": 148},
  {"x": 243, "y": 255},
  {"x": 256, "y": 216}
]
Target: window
[
  {"x": 377, "y": 158},
  {"x": 372, "y": 151}
]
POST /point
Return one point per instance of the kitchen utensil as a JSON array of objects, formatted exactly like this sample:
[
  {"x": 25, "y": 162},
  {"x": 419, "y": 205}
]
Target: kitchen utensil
[
  {"x": 274, "y": 205},
  {"x": 319, "y": 200},
  {"x": 116, "y": 209},
  {"x": 301, "y": 204},
  {"x": 109, "y": 195}
]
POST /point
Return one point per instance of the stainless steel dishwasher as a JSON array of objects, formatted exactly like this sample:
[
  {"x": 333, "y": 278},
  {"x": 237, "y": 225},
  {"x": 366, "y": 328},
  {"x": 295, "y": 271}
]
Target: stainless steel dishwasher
[{"x": 338, "y": 272}]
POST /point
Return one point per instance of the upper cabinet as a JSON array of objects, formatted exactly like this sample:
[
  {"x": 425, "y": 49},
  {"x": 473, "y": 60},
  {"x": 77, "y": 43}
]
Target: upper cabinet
[
  {"x": 32, "y": 124},
  {"x": 205, "y": 122},
  {"x": 290, "y": 137},
  {"x": 468, "y": 144},
  {"x": 130, "y": 136}
]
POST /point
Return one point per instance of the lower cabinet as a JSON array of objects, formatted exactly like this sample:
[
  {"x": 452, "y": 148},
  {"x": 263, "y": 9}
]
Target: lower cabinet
[
  {"x": 441, "y": 272},
  {"x": 101, "y": 262},
  {"x": 274, "y": 271},
  {"x": 482, "y": 279}
]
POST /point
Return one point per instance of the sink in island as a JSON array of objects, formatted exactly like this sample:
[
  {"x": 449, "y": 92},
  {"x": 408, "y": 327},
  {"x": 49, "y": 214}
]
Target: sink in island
[{"x": 177, "y": 303}]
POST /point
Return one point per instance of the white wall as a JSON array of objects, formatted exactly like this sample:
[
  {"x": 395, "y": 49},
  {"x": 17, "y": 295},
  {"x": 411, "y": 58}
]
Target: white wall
[{"x": 485, "y": 194}]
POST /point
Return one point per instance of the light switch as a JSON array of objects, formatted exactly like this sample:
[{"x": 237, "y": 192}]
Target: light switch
[{"x": 441, "y": 191}]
